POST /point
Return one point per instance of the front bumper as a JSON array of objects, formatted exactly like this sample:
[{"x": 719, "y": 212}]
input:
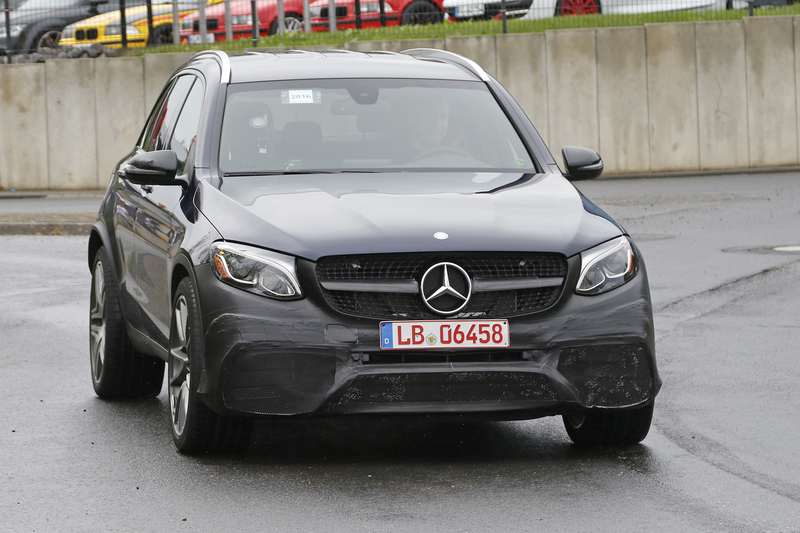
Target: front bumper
[
  {"x": 15, "y": 44},
  {"x": 491, "y": 10},
  {"x": 112, "y": 41},
  {"x": 282, "y": 358}
]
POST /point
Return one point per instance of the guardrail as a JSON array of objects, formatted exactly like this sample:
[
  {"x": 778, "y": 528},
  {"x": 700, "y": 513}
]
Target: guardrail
[{"x": 658, "y": 98}]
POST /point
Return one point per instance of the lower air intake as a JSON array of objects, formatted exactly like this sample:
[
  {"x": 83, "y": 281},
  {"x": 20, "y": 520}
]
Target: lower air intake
[
  {"x": 447, "y": 387},
  {"x": 611, "y": 375}
]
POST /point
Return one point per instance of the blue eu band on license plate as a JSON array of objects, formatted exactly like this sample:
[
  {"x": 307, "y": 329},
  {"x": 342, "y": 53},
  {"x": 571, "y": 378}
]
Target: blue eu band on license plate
[{"x": 443, "y": 334}]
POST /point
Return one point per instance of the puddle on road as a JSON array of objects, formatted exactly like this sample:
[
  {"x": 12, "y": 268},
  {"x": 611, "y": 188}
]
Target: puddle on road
[{"x": 780, "y": 250}]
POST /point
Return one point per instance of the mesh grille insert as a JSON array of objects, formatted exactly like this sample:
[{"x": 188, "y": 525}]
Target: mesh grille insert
[{"x": 412, "y": 266}]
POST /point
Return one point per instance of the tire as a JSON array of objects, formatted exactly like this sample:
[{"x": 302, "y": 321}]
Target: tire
[
  {"x": 577, "y": 7},
  {"x": 195, "y": 428},
  {"x": 421, "y": 12},
  {"x": 292, "y": 21},
  {"x": 48, "y": 39},
  {"x": 118, "y": 370},
  {"x": 161, "y": 35},
  {"x": 613, "y": 428}
]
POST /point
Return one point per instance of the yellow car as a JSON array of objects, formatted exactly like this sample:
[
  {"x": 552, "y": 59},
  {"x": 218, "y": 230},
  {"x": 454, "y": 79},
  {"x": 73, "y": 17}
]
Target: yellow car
[{"x": 105, "y": 29}]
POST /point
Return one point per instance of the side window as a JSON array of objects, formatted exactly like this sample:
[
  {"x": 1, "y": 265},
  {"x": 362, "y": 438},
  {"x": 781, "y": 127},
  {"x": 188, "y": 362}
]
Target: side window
[
  {"x": 154, "y": 122},
  {"x": 185, "y": 132},
  {"x": 155, "y": 137}
]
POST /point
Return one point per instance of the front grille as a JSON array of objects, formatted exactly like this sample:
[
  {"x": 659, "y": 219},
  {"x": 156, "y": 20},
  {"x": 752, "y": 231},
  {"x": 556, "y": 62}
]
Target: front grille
[
  {"x": 341, "y": 12},
  {"x": 211, "y": 24},
  {"x": 91, "y": 35},
  {"x": 392, "y": 357},
  {"x": 79, "y": 35},
  {"x": 447, "y": 387},
  {"x": 388, "y": 267}
]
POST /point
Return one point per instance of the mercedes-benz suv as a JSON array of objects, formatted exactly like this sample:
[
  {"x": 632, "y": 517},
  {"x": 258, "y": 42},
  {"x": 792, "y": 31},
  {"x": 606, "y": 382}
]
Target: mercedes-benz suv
[{"x": 341, "y": 233}]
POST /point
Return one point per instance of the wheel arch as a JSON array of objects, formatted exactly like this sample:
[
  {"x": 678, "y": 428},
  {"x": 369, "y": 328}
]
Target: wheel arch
[
  {"x": 32, "y": 34},
  {"x": 156, "y": 29},
  {"x": 182, "y": 268},
  {"x": 439, "y": 9},
  {"x": 98, "y": 238}
]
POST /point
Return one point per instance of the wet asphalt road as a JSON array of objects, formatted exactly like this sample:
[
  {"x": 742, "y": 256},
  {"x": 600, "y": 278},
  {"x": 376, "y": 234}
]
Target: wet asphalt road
[{"x": 722, "y": 454}]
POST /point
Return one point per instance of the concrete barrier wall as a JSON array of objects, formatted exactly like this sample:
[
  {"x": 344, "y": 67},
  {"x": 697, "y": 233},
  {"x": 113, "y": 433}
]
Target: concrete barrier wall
[{"x": 658, "y": 98}]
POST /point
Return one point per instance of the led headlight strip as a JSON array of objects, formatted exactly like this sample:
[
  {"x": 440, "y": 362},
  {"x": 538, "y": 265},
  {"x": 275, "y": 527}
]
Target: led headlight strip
[
  {"x": 607, "y": 266},
  {"x": 255, "y": 270}
]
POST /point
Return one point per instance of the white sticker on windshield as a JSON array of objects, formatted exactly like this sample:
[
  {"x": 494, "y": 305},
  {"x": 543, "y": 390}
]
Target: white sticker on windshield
[{"x": 300, "y": 96}]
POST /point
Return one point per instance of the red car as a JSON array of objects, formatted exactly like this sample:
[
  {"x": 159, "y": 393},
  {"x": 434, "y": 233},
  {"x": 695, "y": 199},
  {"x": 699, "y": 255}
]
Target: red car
[
  {"x": 241, "y": 20},
  {"x": 396, "y": 12}
]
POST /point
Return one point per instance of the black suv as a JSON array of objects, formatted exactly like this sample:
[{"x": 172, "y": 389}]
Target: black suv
[{"x": 343, "y": 233}]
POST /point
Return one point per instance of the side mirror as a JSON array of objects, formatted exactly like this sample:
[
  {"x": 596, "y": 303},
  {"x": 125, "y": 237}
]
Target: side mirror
[
  {"x": 93, "y": 5},
  {"x": 152, "y": 168},
  {"x": 581, "y": 163}
]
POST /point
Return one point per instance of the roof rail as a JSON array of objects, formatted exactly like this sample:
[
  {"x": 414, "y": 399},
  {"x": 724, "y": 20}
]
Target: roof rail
[
  {"x": 222, "y": 59},
  {"x": 444, "y": 55}
]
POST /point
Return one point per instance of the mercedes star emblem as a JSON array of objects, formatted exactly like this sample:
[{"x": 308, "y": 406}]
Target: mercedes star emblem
[{"x": 446, "y": 288}]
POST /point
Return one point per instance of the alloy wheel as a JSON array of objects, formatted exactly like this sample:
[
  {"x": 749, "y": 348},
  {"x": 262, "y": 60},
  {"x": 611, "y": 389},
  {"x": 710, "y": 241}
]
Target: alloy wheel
[
  {"x": 578, "y": 7},
  {"x": 49, "y": 39},
  {"x": 179, "y": 367},
  {"x": 293, "y": 25},
  {"x": 97, "y": 321}
]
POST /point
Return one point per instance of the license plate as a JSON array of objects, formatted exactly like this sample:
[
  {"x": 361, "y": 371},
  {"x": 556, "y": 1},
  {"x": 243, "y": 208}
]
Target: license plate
[
  {"x": 196, "y": 38},
  {"x": 416, "y": 335},
  {"x": 471, "y": 10}
]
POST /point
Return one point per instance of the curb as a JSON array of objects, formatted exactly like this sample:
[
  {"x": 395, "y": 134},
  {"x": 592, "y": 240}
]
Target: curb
[
  {"x": 46, "y": 223},
  {"x": 66, "y": 228}
]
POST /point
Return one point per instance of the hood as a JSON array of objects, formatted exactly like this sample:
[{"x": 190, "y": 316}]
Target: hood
[
  {"x": 132, "y": 14},
  {"x": 242, "y": 7},
  {"x": 71, "y": 13},
  {"x": 544, "y": 214}
]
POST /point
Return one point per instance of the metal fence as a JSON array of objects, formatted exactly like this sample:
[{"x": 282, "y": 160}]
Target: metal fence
[{"x": 49, "y": 27}]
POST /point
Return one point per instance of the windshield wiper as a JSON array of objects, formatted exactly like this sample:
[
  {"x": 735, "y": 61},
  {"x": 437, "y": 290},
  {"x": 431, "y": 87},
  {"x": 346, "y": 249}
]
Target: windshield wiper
[
  {"x": 276, "y": 173},
  {"x": 299, "y": 171}
]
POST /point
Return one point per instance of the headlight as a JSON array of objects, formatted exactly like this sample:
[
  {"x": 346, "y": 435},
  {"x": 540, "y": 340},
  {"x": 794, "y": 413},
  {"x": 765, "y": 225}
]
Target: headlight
[
  {"x": 607, "y": 266},
  {"x": 68, "y": 33},
  {"x": 115, "y": 30},
  {"x": 238, "y": 20},
  {"x": 15, "y": 30},
  {"x": 315, "y": 11},
  {"x": 375, "y": 7},
  {"x": 187, "y": 24},
  {"x": 256, "y": 270}
]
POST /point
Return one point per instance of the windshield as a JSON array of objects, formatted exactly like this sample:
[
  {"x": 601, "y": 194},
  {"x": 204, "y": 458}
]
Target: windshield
[{"x": 382, "y": 125}]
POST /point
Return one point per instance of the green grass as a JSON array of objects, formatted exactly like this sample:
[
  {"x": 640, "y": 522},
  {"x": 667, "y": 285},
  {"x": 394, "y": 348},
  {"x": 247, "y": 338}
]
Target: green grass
[{"x": 475, "y": 28}]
